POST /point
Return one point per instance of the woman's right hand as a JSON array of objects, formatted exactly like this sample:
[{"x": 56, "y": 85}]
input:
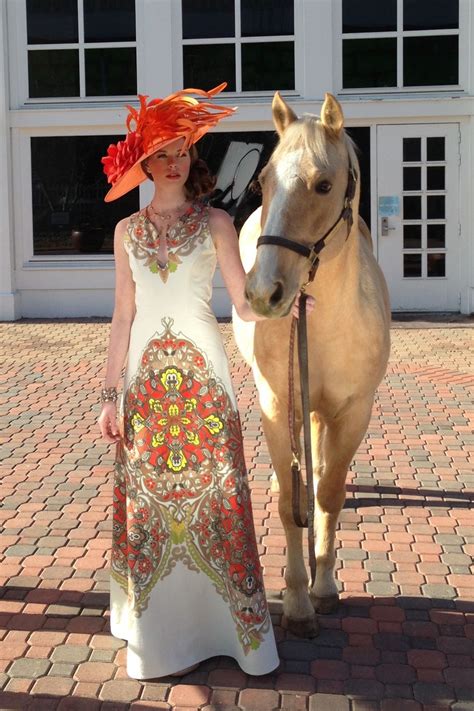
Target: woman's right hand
[{"x": 108, "y": 422}]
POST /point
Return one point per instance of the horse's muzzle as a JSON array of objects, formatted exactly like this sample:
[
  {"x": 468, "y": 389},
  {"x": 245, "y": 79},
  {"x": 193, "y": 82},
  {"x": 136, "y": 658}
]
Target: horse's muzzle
[{"x": 267, "y": 298}]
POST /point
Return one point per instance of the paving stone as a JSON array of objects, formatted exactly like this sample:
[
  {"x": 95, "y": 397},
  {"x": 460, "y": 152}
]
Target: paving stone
[
  {"x": 295, "y": 682},
  {"x": 29, "y": 668},
  {"x": 364, "y": 688},
  {"x": 20, "y": 550},
  {"x": 102, "y": 655},
  {"x": 258, "y": 700},
  {"x": 299, "y": 649},
  {"x": 63, "y": 610},
  {"x": 382, "y": 588},
  {"x": 78, "y": 704},
  {"x": 439, "y": 591},
  {"x": 53, "y": 686},
  {"x": 189, "y": 695},
  {"x": 293, "y": 702},
  {"x": 400, "y": 705},
  {"x": 328, "y": 702},
  {"x": 73, "y": 653},
  {"x": 154, "y": 691},
  {"x": 436, "y": 694},
  {"x": 120, "y": 690}
]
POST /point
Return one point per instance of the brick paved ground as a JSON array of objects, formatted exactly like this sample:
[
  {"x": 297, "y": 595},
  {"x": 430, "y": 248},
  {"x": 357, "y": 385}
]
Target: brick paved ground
[{"x": 402, "y": 638}]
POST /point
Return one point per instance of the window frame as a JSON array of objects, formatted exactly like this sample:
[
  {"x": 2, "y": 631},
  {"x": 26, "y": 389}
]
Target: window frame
[
  {"x": 399, "y": 34},
  {"x": 23, "y": 197},
  {"x": 237, "y": 40},
  {"x": 19, "y": 89}
]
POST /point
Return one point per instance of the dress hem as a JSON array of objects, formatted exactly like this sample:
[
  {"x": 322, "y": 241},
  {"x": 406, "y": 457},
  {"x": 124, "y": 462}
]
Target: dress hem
[{"x": 198, "y": 660}]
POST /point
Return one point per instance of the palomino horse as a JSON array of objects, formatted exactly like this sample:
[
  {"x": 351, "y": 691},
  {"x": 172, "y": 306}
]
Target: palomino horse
[{"x": 305, "y": 186}]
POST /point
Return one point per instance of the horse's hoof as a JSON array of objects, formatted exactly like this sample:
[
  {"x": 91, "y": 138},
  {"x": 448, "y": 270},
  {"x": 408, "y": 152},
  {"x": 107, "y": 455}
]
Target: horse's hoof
[
  {"x": 307, "y": 628},
  {"x": 325, "y": 605}
]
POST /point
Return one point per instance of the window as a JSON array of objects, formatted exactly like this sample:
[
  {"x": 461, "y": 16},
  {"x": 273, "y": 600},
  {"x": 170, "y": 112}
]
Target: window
[
  {"x": 400, "y": 43},
  {"x": 424, "y": 207},
  {"x": 248, "y": 43},
  {"x": 68, "y": 188},
  {"x": 81, "y": 48}
]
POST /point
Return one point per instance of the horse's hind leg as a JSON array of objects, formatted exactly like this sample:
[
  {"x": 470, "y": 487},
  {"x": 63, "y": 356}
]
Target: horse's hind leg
[
  {"x": 298, "y": 611},
  {"x": 341, "y": 439}
]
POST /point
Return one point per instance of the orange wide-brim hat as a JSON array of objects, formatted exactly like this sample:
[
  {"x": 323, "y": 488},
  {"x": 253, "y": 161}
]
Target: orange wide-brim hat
[{"x": 153, "y": 126}]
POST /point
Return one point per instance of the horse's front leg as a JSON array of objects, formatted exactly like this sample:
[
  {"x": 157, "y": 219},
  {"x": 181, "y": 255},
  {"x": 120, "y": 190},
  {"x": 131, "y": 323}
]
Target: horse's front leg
[
  {"x": 298, "y": 611},
  {"x": 341, "y": 439}
]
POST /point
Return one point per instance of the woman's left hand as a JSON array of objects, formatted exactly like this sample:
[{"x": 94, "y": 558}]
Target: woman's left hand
[{"x": 310, "y": 304}]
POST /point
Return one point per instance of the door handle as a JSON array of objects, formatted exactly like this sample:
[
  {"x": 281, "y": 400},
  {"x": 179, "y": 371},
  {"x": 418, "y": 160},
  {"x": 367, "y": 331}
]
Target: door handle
[{"x": 385, "y": 227}]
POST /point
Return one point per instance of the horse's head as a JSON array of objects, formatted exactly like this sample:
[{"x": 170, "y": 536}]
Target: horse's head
[{"x": 305, "y": 186}]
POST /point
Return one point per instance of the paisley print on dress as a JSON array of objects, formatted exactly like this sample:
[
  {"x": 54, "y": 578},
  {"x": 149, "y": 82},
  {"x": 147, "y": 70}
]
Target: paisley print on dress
[
  {"x": 189, "y": 231},
  {"x": 182, "y": 485}
]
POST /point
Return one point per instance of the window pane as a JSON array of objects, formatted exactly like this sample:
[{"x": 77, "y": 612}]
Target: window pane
[
  {"x": 430, "y": 61},
  {"x": 435, "y": 178},
  {"x": 68, "y": 188},
  {"x": 412, "y": 236},
  {"x": 111, "y": 72},
  {"x": 369, "y": 15},
  {"x": 412, "y": 265},
  {"x": 369, "y": 63},
  {"x": 435, "y": 148},
  {"x": 436, "y": 207},
  {"x": 208, "y": 18},
  {"x": 430, "y": 14},
  {"x": 267, "y": 17},
  {"x": 411, "y": 149},
  {"x": 436, "y": 236},
  {"x": 436, "y": 265},
  {"x": 412, "y": 178},
  {"x": 206, "y": 66},
  {"x": 411, "y": 208},
  {"x": 51, "y": 21},
  {"x": 268, "y": 65},
  {"x": 53, "y": 72},
  {"x": 109, "y": 21}
]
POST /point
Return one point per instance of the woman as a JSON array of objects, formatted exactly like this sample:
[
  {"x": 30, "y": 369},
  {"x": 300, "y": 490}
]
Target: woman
[{"x": 186, "y": 582}]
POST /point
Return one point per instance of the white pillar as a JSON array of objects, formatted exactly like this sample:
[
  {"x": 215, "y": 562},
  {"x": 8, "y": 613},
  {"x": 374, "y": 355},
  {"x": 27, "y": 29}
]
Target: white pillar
[
  {"x": 9, "y": 296},
  {"x": 316, "y": 19}
]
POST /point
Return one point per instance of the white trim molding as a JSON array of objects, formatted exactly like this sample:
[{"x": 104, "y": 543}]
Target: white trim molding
[{"x": 9, "y": 296}]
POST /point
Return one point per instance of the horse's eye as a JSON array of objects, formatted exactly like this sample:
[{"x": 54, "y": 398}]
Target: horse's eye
[{"x": 323, "y": 187}]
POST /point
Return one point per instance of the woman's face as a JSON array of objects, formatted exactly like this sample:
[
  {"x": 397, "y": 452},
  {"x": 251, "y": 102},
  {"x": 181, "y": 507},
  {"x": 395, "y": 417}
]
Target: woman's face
[{"x": 170, "y": 165}]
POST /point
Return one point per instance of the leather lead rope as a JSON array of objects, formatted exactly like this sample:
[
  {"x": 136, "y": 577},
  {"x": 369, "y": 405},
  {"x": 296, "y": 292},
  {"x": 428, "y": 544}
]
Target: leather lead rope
[
  {"x": 304, "y": 381},
  {"x": 308, "y": 522}
]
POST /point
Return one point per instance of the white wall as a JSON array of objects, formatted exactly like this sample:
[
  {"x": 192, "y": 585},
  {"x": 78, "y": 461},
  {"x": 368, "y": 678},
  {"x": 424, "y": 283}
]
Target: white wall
[{"x": 54, "y": 286}]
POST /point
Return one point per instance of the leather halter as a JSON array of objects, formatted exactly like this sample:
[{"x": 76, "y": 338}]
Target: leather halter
[
  {"x": 310, "y": 253},
  {"x": 313, "y": 251}
]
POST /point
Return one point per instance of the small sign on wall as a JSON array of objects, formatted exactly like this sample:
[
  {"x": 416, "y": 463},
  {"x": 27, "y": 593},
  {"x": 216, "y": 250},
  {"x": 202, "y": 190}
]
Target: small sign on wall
[{"x": 389, "y": 205}]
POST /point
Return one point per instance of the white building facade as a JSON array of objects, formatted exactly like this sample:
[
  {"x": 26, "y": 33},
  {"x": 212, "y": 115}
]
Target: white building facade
[{"x": 403, "y": 71}]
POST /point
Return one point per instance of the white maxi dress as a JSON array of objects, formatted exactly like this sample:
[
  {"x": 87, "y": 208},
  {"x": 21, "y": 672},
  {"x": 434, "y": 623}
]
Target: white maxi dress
[{"x": 186, "y": 582}]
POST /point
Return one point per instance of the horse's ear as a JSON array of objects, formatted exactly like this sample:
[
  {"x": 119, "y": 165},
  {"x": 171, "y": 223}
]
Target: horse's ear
[
  {"x": 332, "y": 117},
  {"x": 283, "y": 115}
]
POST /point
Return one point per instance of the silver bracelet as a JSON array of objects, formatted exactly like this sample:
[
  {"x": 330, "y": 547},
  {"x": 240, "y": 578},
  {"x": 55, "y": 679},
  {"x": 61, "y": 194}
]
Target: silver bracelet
[{"x": 108, "y": 394}]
